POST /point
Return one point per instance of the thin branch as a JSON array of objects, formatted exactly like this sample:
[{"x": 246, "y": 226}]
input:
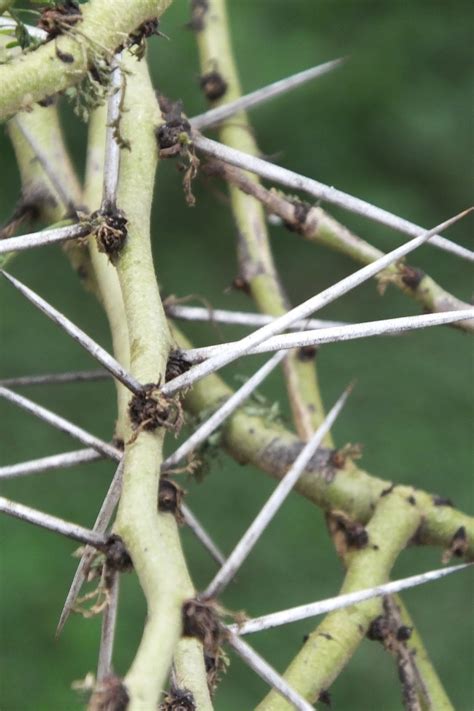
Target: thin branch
[
  {"x": 112, "y": 147},
  {"x": 109, "y": 620},
  {"x": 56, "y": 461},
  {"x": 44, "y": 238},
  {"x": 337, "y": 334},
  {"x": 267, "y": 673},
  {"x": 323, "y": 192},
  {"x": 78, "y": 376},
  {"x": 100, "y": 527},
  {"x": 43, "y": 158},
  {"x": 314, "y": 609},
  {"x": 96, "y": 351},
  {"x": 305, "y": 309},
  {"x": 218, "y": 417},
  {"x": 61, "y": 424},
  {"x": 253, "y": 533},
  {"x": 260, "y": 96},
  {"x": 52, "y": 523},
  {"x": 238, "y": 318},
  {"x": 6, "y": 23}
]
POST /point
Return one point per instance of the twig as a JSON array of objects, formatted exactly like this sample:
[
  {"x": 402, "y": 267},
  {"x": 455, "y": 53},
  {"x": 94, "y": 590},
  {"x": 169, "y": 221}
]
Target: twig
[
  {"x": 96, "y": 351},
  {"x": 238, "y": 318},
  {"x": 314, "y": 609},
  {"x": 323, "y": 192},
  {"x": 267, "y": 673},
  {"x": 78, "y": 376},
  {"x": 56, "y": 461},
  {"x": 305, "y": 309},
  {"x": 337, "y": 334},
  {"x": 61, "y": 424},
  {"x": 218, "y": 417},
  {"x": 109, "y": 619},
  {"x": 253, "y": 533},
  {"x": 100, "y": 526},
  {"x": 44, "y": 238},
  {"x": 52, "y": 523},
  {"x": 260, "y": 96}
]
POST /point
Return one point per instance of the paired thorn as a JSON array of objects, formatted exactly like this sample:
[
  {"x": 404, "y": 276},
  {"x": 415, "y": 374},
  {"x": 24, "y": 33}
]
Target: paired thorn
[
  {"x": 273, "y": 504},
  {"x": 216, "y": 419},
  {"x": 96, "y": 351},
  {"x": 320, "y": 191},
  {"x": 260, "y": 96},
  {"x": 336, "y": 334},
  {"x": 53, "y": 523},
  {"x": 109, "y": 622},
  {"x": 302, "y": 310},
  {"x": 78, "y": 376},
  {"x": 267, "y": 673},
  {"x": 341, "y": 601},
  {"x": 62, "y": 424},
  {"x": 44, "y": 238},
  {"x": 238, "y": 318},
  {"x": 100, "y": 527},
  {"x": 56, "y": 461}
]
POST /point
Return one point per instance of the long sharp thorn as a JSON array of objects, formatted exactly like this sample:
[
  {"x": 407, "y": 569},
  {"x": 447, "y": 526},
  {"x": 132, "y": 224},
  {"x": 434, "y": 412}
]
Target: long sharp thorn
[
  {"x": 303, "y": 310},
  {"x": 62, "y": 424},
  {"x": 44, "y": 238},
  {"x": 273, "y": 504},
  {"x": 6, "y": 23},
  {"x": 52, "y": 523},
  {"x": 321, "y": 191},
  {"x": 100, "y": 526},
  {"x": 267, "y": 673},
  {"x": 336, "y": 603},
  {"x": 79, "y": 376},
  {"x": 385, "y": 327},
  {"x": 260, "y": 96},
  {"x": 43, "y": 159},
  {"x": 56, "y": 461},
  {"x": 77, "y": 334},
  {"x": 239, "y": 318},
  {"x": 112, "y": 147},
  {"x": 202, "y": 535},
  {"x": 109, "y": 620},
  {"x": 215, "y": 420}
]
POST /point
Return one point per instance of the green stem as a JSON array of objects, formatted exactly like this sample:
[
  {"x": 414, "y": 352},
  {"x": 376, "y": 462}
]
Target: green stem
[
  {"x": 272, "y": 448},
  {"x": 151, "y": 538},
  {"x": 105, "y": 274},
  {"x": 332, "y": 644},
  {"x": 257, "y": 267},
  {"x": 103, "y": 28}
]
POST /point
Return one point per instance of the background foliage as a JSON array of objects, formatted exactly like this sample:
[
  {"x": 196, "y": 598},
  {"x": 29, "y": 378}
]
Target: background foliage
[{"x": 393, "y": 126}]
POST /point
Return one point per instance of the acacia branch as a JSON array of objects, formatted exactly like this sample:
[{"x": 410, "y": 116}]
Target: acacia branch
[
  {"x": 258, "y": 272},
  {"x": 315, "y": 225},
  {"x": 332, "y": 644},
  {"x": 103, "y": 28}
]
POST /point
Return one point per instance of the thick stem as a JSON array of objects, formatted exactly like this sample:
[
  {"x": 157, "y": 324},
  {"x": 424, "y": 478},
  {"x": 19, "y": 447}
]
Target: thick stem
[
  {"x": 151, "y": 538},
  {"x": 333, "y": 643},
  {"x": 257, "y": 268}
]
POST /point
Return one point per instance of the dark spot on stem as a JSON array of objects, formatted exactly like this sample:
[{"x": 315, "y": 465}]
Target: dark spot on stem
[
  {"x": 110, "y": 231},
  {"x": 404, "y": 633},
  {"x": 411, "y": 276},
  {"x": 199, "y": 9},
  {"x": 110, "y": 694},
  {"x": 442, "y": 501},
  {"x": 213, "y": 85},
  {"x": 387, "y": 491},
  {"x": 325, "y": 697},
  {"x": 117, "y": 555},
  {"x": 60, "y": 18},
  {"x": 170, "y": 497},
  {"x": 65, "y": 57},
  {"x": 307, "y": 353},
  {"x": 411, "y": 500},
  {"x": 148, "y": 410},
  {"x": 176, "y": 365}
]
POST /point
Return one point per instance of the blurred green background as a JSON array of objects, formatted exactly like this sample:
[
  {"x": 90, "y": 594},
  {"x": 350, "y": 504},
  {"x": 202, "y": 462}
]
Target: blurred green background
[{"x": 394, "y": 126}]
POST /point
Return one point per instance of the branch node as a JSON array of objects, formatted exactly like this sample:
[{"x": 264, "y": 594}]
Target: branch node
[
  {"x": 149, "y": 409},
  {"x": 110, "y": 231},
  {"x": 170, "y": 498}
]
